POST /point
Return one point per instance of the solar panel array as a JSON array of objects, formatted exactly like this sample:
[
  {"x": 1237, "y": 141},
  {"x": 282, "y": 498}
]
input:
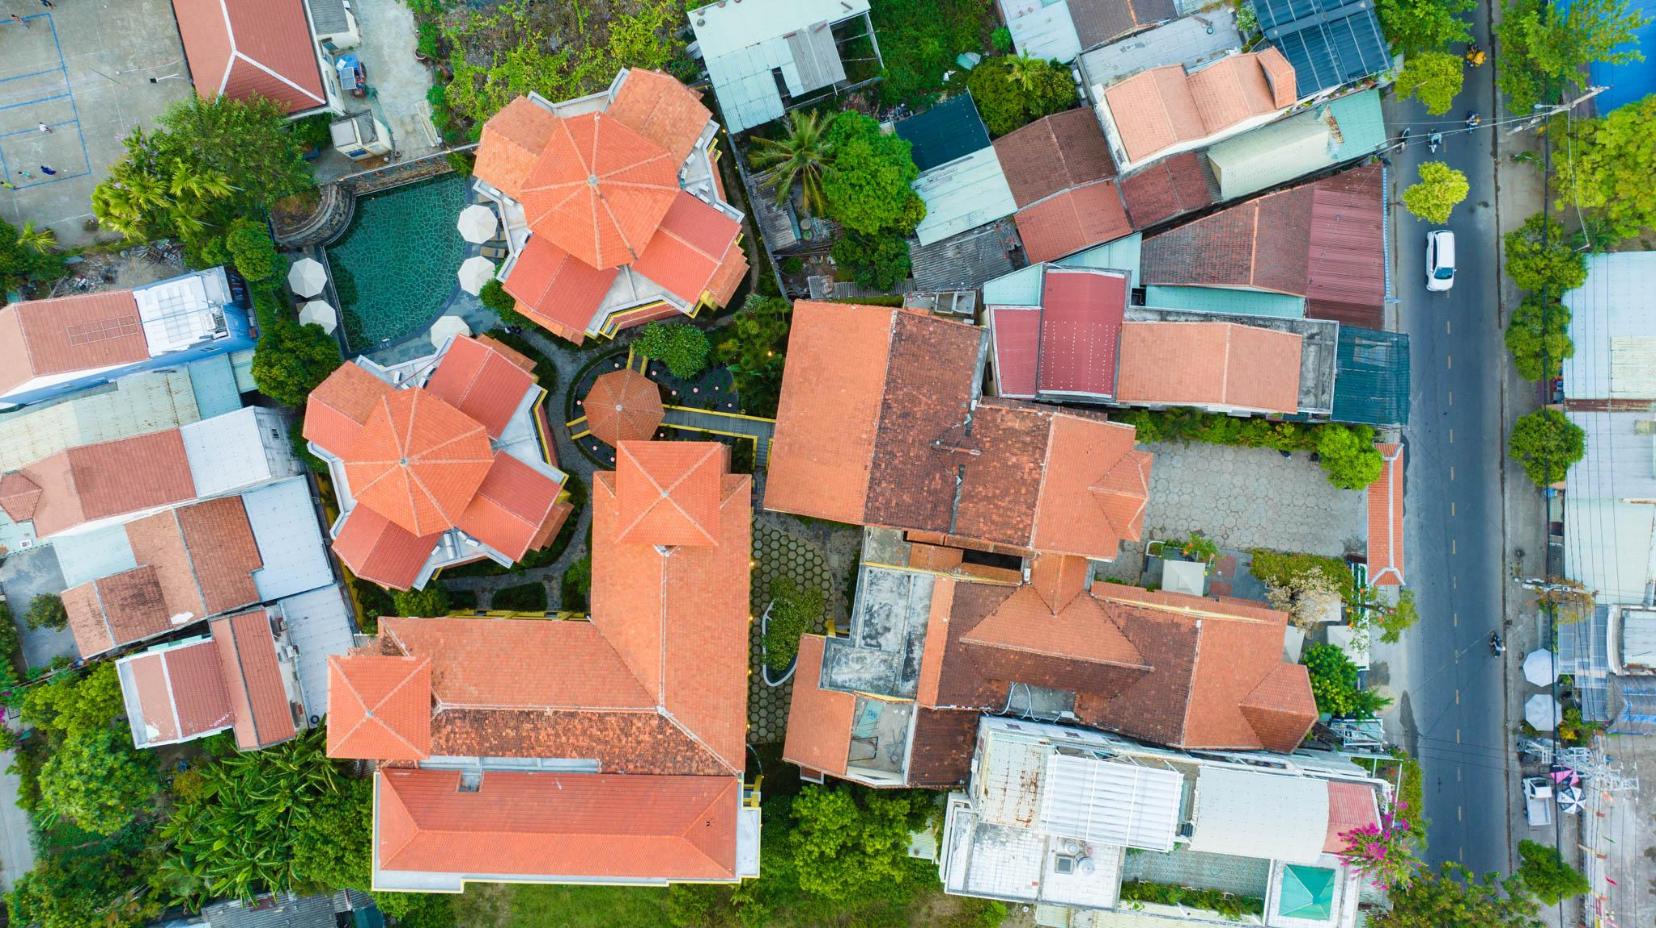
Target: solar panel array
[{"x": 1329, "y": 43}]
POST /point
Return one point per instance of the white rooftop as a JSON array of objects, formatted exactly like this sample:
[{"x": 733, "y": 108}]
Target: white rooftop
[
  {"x": 182, "y": 311},
  {"x": 1111, "y": 802},
  {"x": 238, "y": 449},
  {"x": 1613, "y": 325},
  {"x": 318, "y": 624},
  {"x": 745, "y": 43},
  {"x": 963, "y": 194},
  {"x": 1253, "y": 813},
  {"x": 284, "y": 523}
]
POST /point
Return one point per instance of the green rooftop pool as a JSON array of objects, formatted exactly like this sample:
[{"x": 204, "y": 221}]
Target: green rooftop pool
[{"x": 394, "y": 268}]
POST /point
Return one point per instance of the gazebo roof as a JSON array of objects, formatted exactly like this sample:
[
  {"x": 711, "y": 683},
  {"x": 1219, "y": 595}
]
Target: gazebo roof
[
  {"x": 623, "y": 406},
  {"x": 418, "y": 461}
]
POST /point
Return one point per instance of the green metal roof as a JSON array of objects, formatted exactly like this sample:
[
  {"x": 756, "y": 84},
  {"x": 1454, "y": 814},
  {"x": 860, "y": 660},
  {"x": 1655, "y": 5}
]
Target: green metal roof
[
  {"x": 1371, "y": 377},
  {"x": 1345, "y": 129},
  {"x": 1022, "y": 287},
  {"x": 1119, "y": 255},
  {"x": 1227, "y": 300},
  {"x": 1307, "y": 892}
]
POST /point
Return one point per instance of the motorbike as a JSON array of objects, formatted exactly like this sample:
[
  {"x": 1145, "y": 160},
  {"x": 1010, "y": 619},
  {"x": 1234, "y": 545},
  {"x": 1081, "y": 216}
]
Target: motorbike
[
  {"x": 1433, "y": 141},
  {"x": 1497, "y": 647}
]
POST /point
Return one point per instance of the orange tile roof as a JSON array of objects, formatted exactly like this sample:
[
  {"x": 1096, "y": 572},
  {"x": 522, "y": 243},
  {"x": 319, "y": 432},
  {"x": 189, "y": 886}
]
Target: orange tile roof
[
  {"x": 1209, "y": 364},
  {"x": 418, "y": 461},
  {"x": 379, "y": 707},
  {"x": 1058, "y": 578},
  {"x": 669, "y": 492},
  {"x": 512, "y": 507},
  {"x": 180, "y": 693},
  {"x": 1094, "y": 490},
  {"x": 253, "y": 677},
  {"x": 1281, "y": 709},
  {"x": 1350, "y": 805},
  {"x": 1079, "y": 630},
  {"x": 223, "y": 552},
  {"x": 1067, "y": 222},
  {"x": 336, "y": 410},
  {"x": 18, "y": 496},
  {"x": 1385, "y": 518},
  {"x": 832, "y": 391},
  {"x": 555, "y": 288},
  {"x": 557, "y": 824},
  {"x": 1279, "y": 76},
  {"x": 622, "y": 405},
  {"x": 1163, "y": 107},
  {"x": 729, "y": 276},
  {"x": 482, "y": 381},
  {"x": 109, "y": 479},
  {"x": 251, "y": 48},
  {"x": 819, "y": 720},
  {"x": 511, "y": 141},
  {"x": 599, "y": 190},
  {"x": 690, "y": 248},
  {"x": 658, "y": 107},
  {"x": 117, "y": 609},
  {"x": 39, "y": 338},
  {"x": 377, "y": 549},
  {"x": 1233, "y": 89}
]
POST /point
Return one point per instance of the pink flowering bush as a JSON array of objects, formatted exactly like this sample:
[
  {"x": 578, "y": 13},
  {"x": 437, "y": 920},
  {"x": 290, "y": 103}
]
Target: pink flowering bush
[{"x": 1383, "y": 852}]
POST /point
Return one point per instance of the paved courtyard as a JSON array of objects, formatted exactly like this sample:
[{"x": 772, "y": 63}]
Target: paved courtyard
[
  {"x": 84, "y": 69},
  {"x": 23, "y": 576},
  {"x": 1251, "y": 497}
]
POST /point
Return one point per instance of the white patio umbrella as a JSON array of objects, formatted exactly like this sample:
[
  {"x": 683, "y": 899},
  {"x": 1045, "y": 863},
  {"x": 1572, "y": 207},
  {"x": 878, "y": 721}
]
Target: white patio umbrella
[
  {"x": 475, "y": 272},
  {"x": 477, "y": 223},
  {"x": 319, "y": 312},
  {"x": 1540, "y": 668},
  {"x": 1571, "y": 800},
  {"x": 1541, "y": 712},
  {"x": 307, "y": 277},
  {"x": 446, "y": 327}
]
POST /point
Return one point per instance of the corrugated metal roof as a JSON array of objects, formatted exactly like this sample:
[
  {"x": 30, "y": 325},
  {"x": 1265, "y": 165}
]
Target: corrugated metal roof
[
  {"x": 965, "y": 261},
  {"x": 1343, "y": 130},
  {"x": 1119, "y": 255},
  {"x": 963, "y": 194},
  {"x": 144, "y": 402},
  {"x": 1227, "y": 300},
  {"x": 1613, "y": 326},
  {"x": 1371, "y": 380},
  {"x": 951, "y": 129},
  {"x": 87, "y": 556},
  {"x": 1329, "y": 43},
  {"x": 213, "y": 381},
  {"x": 1041, "y": 28},
  {"x": 1022, "y": 287},
  {"x": 1189, "y": 41},
  {"x": 1268, "y": 816},
  {"x": 290, "y": 539},
  {"x": 742, "y": 42},
  {"x": 282, "y": 911},
  {"x": 1125, "y": 805},
  {"x": 318, "y": 625}
]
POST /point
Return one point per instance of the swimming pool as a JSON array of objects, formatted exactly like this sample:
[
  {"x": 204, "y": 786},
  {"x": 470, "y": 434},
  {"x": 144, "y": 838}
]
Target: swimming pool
[{"x": 394, "y": 267}]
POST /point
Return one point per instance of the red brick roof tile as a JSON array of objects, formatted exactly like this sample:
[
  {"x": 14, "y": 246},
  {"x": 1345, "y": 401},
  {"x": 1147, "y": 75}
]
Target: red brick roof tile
[
  {"x": 117, "y": 609},
  {"x": 511, "y": 141},
  {"x": 1072, "y": 220},
  {"x": 377, "y": 549},
  {"x": 418, "y": 461},
  {"x": 247, "y": 654},
  {"x": 1350, "y": 805},
  {"x": 481, "y": 381},
  {"x": 1167, "y": 188},
  {"x": 623, "y": 405},
  {"x": 339, "y": 406},
  {"x": 18, "y": 496},
  {"x": 109, "y": 479},
  {"x": 819, "y": 720},
  {"x": 180, "y": 693},
  {"x": 247, "y": 48},
  {"x": 1385, "y": 518},
  {"x": 223, "y": 552},
  {"x": 1053, "y": 154},
  {"x": 39, "y": 338},
  {"x": 379, "y": 707},
  {"x": 511, "y": 508},
  {"x": 689, "y": 249},
  {"x": 1210, "y": 364},
  {"x": 658, "y": 107},
  {"x": 558, "y": 290},
  {"x": 669, "y": 493}
]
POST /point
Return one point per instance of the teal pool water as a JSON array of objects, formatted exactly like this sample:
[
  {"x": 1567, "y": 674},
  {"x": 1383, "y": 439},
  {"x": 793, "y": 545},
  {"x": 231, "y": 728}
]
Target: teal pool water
[{"x": 394, "y": 267}]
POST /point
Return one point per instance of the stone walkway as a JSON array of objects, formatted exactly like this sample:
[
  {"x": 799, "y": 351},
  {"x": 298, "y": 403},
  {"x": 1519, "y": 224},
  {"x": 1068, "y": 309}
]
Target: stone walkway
[{"x": 1252, "y": 498}]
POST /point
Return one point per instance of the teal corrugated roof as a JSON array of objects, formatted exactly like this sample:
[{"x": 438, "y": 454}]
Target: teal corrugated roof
[
  {"x": 213, "y": 381},
  {"x": 1371, "y": 377},
  {"x": 1226, "y": 300},
  {"x": 1119, "y": 255},
  {"x": 1282, "y": 151},
  {"x": 1022, "y": 287}
]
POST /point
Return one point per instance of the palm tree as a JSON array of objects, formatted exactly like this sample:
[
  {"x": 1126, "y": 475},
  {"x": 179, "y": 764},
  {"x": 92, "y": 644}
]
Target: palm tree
[
  {"x": 41, "y": 240},
  {"x": 799, "y": 158},
  {"x": 1023, "y": 71}
]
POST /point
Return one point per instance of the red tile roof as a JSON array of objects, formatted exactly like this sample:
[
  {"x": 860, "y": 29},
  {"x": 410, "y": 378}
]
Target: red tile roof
[
  {"x": 336, "y": 410},
  {"x": 39, "y": 338},
  {"x": 247, "y": 48},
  {"x": 1385, "y": 519},
  {"x": 669, "y": 493},
  {"x": 694, "y": 242},
  {"x": 1053, "y": 154},
  {"x": 1162, "y": 107},
  {"x": 18, "y": 496},
  {"x": 1210, "y": 364},
  {"x": 623, "y": 405},
  {"x": 109, "y": 479},
  {"x": 418, "y": 461},
  {"x": 1095, "y": 489},
  {"x": 379, "y": 707},
  {"x": 557, "y": 289},
  {"x": 600, "y": 189},
  {"x": 1070, "y": 221},
  {"x": 558, "y": 824},
  {"x": 377, "y": 549},
  {"x": 252, "y": 675},
  {"x": 180, "y": 693},
  {"x": 1167, "y": 188},
  {"x": 481, "y": 380},
  {"x": 1017, "y": 338},
  {"x": 513, "y": 507},
  {"x": 1080, "y": 325},
  {"x": 819, "y": 720},
  {"x": 117, "y": 609},
  {"x": 223, "y": 552},
  {"x": 511, "y": 141},
  {"x": 658, "y": 107},
  {"x": 1350, "y": 805}
]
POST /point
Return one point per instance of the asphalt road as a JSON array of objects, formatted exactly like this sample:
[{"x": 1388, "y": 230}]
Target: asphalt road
[{"x": 1452, "y": 708}]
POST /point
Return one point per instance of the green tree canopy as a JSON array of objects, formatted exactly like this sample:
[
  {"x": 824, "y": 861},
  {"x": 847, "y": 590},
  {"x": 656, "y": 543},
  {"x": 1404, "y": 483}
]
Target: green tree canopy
[
  {"x": 793, "y": 608},
  {"x": 798, "y": 159},
  {"x": 1452, "y": 895},
  {"x": 1014, "y": 90},
  {"x": 849, "y": 843},
  {"x": 1334, "y": 684},
  {"x": 867, "y": 182},
  {"x": 1538, "y": 335},
  {"x": 1609, "y": 169},
  {"x": 430, "y": 602},
  {"x": 879, "y": 261},
  {"x": 1546, "y": 47},
  {"x": 753, "y": 351},
  {"x": 98, "y": 780},
  {"x": 26, "y": 257},
  {"x": 1434, "y": 78},
  {"x": 1545, "y": 443},
  {"x": 1540, "y": 257},
  {"x": 1348, "y": 456},
  {"x": 251, "y": 250},
  {"x": 78, "y": 890},
  {"x": 209, "y": 162},
  {"x": 290, "y": 359},
  {"x": 1416, "y": 26},
  {"x": 1545, "y": 873},
  {"x": 47, "y": 611},
  {"x": 1440, "y": 189},
  {"x": 71, "y": 703},
  {"x": 679, "y": 345}
]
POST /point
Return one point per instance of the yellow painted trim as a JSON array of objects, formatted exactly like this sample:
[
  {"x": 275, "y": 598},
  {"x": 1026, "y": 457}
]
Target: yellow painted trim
[
  {"x": 581, "y": 434},
  {"x": 701, "y": 431},
  {"x": 575, "y": 421},
  {"x": 720, "y": 412}
]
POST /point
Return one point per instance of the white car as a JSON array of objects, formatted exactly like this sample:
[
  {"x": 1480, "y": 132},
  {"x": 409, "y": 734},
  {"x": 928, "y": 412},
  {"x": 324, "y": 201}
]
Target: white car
[{"x": 1440, "y": 259}]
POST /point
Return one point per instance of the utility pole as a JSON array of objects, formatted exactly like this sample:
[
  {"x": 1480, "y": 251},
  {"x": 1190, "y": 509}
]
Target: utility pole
[{"x": 1543, "y": 111}]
